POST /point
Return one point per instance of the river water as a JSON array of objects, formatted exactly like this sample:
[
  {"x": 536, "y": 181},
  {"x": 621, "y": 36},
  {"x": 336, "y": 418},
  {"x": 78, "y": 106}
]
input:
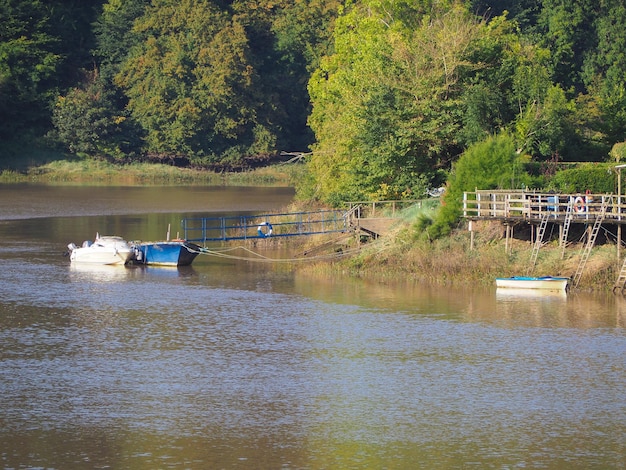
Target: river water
[{"x": 235, "y": 364}]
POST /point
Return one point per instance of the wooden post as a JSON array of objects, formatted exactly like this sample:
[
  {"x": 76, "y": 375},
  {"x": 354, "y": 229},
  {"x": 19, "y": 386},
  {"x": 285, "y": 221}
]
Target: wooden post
[
  {"x": 619, "y": 241},
  {"x": 471, "y": 230},
  {"x": 619, "y": 210},
  {"x": 506, "y": 238}
]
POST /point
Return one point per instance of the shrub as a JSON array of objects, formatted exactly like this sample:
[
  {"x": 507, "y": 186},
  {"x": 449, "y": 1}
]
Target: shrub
[
  {"x": 491, "y": 164},
  {"x": 595, "y": 177}
]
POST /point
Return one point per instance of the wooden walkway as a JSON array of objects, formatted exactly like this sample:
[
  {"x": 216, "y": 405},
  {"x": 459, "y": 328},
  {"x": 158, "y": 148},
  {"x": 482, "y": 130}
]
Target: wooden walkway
[
  {"x": 376, "y": 218},
  {"x": 376, "y": 227},
  {"x": 515, "y": 206}
]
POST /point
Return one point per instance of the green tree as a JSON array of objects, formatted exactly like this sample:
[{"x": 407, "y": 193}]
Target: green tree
[
  {"x": 91, "y": 117},
  {"x": 597, "y": 178},
  {"x": 386, "y": 107},
  {"x": 488, "y": 100},
  {"x": 114, "y": 33},
  {"x": 287, "y": 39},
  {"x": 605, "y": 70},
  {"x": 523, "y": 12},
  {"x": 44, "y": 47},
  {"x": 566, "y": 29},
  {"x": 87, "y": 122},
  {"x": 29, "y": 61},
  {"x": 192, "y": 84},
  {"x": 570, "y": 107},
  {"x": 513, "y": 89}
]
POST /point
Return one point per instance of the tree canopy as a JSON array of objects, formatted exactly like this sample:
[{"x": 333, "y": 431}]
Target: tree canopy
[{"x": 384, "y": 96}]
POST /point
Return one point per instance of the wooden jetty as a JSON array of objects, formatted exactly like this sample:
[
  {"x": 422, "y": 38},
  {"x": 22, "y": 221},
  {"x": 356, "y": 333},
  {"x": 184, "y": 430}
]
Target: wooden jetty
[
  {"x": 376, "y": 218},
  {"x": 535, "y": 208},
  {"x": 530, "y": 206},
  {"x": 540, "y": 208}
]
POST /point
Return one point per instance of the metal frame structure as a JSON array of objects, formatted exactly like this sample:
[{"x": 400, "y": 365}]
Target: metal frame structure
[{"x": 264, "y": 226}]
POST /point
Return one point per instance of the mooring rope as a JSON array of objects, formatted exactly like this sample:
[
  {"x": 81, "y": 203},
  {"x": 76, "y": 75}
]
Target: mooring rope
[{"x": 257, "y": 257}]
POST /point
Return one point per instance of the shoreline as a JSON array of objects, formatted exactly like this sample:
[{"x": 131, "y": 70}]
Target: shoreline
[{"x": 401, "y": 255}]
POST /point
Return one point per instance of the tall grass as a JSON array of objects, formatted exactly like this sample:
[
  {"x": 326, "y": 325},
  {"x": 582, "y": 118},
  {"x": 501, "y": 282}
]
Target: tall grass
[
  {"x": 99, "y": 172},
  {"x": 450, "y": 260}
]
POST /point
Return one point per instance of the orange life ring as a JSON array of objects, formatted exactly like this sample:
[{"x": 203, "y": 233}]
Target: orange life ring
[{"x": 579, "y": 205}]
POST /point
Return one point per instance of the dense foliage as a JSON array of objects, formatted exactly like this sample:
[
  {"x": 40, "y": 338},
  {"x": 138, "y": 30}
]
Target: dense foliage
[
  {"x": 490, "y": 164},
  {"x": 383, "y": 95},
  {"x": 409, "y": 88},
  {"x": 597, "y": 178},
  {"x": 43, "y": 47}
]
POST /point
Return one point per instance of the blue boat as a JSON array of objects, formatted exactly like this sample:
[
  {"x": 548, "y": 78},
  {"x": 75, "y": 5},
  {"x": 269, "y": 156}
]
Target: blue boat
[{"x": 166, "y": 253}]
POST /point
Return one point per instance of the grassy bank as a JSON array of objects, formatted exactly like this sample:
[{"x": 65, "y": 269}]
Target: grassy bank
[
  {"x": 451, "y": 261},
  {"x": 84, "y": 171}
]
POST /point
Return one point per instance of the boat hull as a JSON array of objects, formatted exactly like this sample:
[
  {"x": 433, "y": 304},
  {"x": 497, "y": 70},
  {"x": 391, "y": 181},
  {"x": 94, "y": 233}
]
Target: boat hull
[
  {"x": 172, "y": 253},
  {"x": 547, "y": 282}
]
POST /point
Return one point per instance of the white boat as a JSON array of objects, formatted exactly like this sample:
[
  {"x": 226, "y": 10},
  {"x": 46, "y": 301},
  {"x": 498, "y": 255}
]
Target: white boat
[
  {"x": 103, "y": 250},
  {"x": 528, "y": 282}
]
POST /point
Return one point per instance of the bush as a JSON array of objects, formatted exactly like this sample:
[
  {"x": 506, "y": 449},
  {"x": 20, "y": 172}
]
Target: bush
[
  {"x": 595, "y": 177},
  {"x": 491, "y": 164}
]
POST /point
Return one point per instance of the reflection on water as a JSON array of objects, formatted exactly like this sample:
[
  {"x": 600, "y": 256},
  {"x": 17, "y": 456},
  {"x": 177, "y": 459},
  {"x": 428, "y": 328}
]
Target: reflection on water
[
  {"x": 543, "y": 295},
  {"x": 500, "y": 307},
  {"x": 30, "y": 201},
  {"x": 235, "y": 365},
  {"x": 82, "y": 272},
  {"x": 93, "y": 273},
  {"x": 571, "y": 310}
]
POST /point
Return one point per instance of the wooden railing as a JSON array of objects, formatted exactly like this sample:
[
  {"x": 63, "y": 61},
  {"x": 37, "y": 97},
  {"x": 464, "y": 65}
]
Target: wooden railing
[
  {"x": 390, "y": 208},
  {"x": 531, "y": 206}
]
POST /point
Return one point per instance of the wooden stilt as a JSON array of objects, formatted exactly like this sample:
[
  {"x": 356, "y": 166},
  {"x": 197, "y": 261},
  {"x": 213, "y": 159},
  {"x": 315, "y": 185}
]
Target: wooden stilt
[
  {"x": 506, "y": 239},
  {"x": 619, "y": 242},
  {"x": 511, "y": 246}
]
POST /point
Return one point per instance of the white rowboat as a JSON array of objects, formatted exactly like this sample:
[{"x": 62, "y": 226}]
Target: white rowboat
[{"x": 527, "y": 282}]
